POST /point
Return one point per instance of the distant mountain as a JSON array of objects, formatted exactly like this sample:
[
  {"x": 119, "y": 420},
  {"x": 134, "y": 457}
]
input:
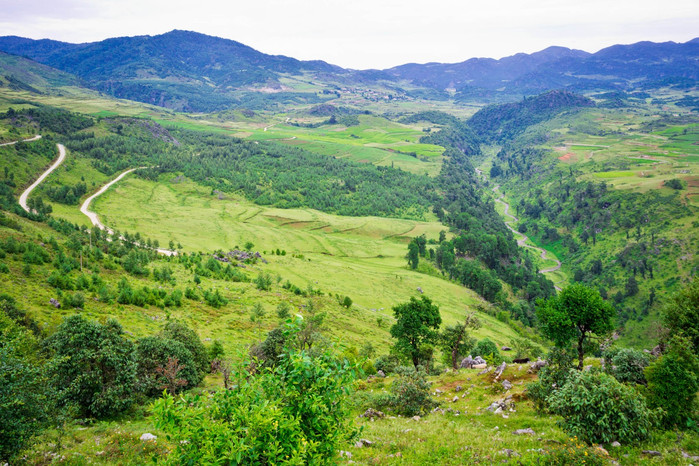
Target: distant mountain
[
  {"x": 616, "y": 67},
  {"x": 189, "y": 71},
  {"x": 180, "y": 69}
]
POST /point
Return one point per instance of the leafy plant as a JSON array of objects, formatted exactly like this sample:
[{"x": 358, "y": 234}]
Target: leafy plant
[
  {"x": 410, "y": 392},
  {"x": 627, "y": 366},
  {"x": 598, "y": 408}
]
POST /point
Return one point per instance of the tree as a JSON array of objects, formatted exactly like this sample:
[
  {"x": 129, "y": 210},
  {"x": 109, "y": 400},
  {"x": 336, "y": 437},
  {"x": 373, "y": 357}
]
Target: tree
[
  {"x": 153, "y": 354},
  {"x": 681, "y": 314},
  {"x": 178, "y": 331},
  {"x": 416, "y": 324},
  {"x": 673, "y": 381},
  {"x": 413, "y": 255},
  {"x": 93, "y": 366},
  {"x": 576, "y": 313},
  {"x": 455, "y": 339}
]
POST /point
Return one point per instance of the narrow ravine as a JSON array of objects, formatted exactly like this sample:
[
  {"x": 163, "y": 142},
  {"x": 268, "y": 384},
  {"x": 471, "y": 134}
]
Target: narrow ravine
[{"x": 523, "y": 239}]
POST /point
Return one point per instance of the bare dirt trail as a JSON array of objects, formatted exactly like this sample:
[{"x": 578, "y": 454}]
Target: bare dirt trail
[
  {"x": 522, "y": 241},
  {"x": 94, "y": 218},
  {"x": 61, "y": 157}
]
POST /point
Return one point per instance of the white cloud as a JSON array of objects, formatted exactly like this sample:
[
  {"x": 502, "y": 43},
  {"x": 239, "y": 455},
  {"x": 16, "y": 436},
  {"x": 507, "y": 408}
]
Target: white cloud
[{"x": 366, "y": 33}]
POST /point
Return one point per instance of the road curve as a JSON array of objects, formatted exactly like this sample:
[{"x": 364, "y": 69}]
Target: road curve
[
  {"x": 94, "y": 218},
  {"x": 61, "y": 157},
  {"x": 34, "y": 138}
]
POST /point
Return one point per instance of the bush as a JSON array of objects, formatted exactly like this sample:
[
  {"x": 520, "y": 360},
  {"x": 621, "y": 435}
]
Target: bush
[
  {"x": 387, "y": 363},
  {"x": 152, "y": 355},
  {"x": 673, "y": 381},
  {"x": 178, "y": 331},
  {"x": 93, "y": 366},
  {"x": 488, "y": 351},
  {"x": 410, "y": 393},
  {"x": 599, "y": 409},
  {"x": 551, "y": 377},
  {"x": 296, "y": 413},
  {"x": 627, "y": 366}
]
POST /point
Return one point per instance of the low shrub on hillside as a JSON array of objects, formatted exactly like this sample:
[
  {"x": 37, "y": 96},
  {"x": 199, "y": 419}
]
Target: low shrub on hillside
[
  {"x": 410, "y": 393},
  {"x": 627, "y": 366},
  {"x": 598, "y": 409}
]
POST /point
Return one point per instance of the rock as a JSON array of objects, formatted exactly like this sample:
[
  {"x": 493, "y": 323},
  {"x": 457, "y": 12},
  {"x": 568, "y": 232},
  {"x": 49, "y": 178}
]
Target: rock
[
  {"x": 479, "y": 366},
  {"x": 54, "y": 302},
  {"x": 651, "y": 453},
  {"x": 479, "y": 360},
  {"x": 485, "y": 370},
  {"x": 536, "y": 366},
  {"x": 420, "y": 290},
  {"x": 381, "y": 373},
  {"x": 148, "y": 437},
  {"x": 466, "y": 362},
  {"x": 498, "y": 411},
  {"x": 509, "y": 453},
  {"x": 500, "y": 369},
  {"x": 437, "y": 391},
  {"x": 602, "y": 450},
  {"x": 616, "y": 444},
  {"x": 372, "y": 413},
  {"x": 587, "y": 368},
  {"x": 506, "y": 348},
  {"x": 520, "y": 360},
  {"x": 362, "y": 442},
  {"x": 455, "y": 399},
  {"x": 527, "y": 431},
  {"x": 506, "y": 384},
  {"x": 415, "y": 418},
  {"x": 458, "y": 388},
  {"x": 690, "y": 457},
  {"x": 345, "y": 454},
  {"x": 657, "y": 351}
]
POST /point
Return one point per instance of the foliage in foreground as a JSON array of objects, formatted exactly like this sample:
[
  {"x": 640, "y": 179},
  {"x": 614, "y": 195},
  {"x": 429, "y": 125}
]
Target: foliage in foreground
[
  {"x": 598, "y": 408},
  {"x": 296, "y": 412}
]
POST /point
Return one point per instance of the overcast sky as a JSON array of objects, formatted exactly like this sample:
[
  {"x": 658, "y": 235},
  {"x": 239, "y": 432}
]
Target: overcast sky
[{"x": 366, "y": 33}]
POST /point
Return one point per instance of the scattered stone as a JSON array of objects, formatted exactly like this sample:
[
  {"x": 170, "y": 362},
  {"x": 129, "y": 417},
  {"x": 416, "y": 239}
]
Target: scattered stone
[
  {"x": 500, "y": 369},
  {"x": 506, "y": 384},
  {"x": 466, "y": 362},
  {"x": 505, "y": 404},
  {"x": 455, "y": 399},
  {"x": 345, "y": 454},
  {"x": 616, "y": 444},
  {"x": 527, "y": 431},
  {"x": 54, "y": 302},
  {"x": 381, "y": 373},
  {"x": 536, "y": 366},
  {"x": 602, "y": 450},
  {"x": 509, "y": 453},
  {"x": 690, "y": 457},
  {"x": 420, "y": 290},
  {"x": 506, "y": 348},
  {"x": 372, "y": 413},
  {"x": 437, "y": 391},
  {"x": 485, "y": 368},
  {"x": 147, "y": 437},
  {"x": 651, "y": 453},
  {"x": 498, "y": 410},
  {"x": 458, "y": 388},
  {"x": 362, "y": 442},
  {"x": 415, "y": 418},
  {"x": 657, "y": 351}
]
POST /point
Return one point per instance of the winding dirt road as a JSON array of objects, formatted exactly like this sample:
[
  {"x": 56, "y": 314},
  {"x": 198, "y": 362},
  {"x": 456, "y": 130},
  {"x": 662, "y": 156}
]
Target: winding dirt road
[
  {"x": 33, "y": 138},
  {"x": 94, "y": 218},
  {"x": 61, "y": 157}
]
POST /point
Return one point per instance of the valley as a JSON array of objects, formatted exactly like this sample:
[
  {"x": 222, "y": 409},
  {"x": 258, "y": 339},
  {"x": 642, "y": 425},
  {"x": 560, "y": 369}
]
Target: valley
[{"x": 369, "y": 266}]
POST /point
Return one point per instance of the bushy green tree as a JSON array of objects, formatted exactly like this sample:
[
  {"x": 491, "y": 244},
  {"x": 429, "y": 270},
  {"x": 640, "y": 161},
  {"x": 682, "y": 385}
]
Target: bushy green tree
[
  {"x": 410, "y": 392},
  {"x": 673, "y": 382},
  {"x": 627, "y": 366},
  {"x": 574, "y": 315},
  {"x": 597, "y": 408},
  {"x": 681, "y": 314},
  {"x": 416, "y": 324},
  {"x": 152, "y": 355},
  {"x": 93, "y": 366},
  {"x": 178, "y": 331},
  {"x": 455, "y": 340},
  {"x": 486, "y": 348}
]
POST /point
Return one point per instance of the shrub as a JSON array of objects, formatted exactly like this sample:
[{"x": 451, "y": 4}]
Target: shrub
[
  {"x": 410, "y": 392},
  {"x": 387, "y": 363},
  {"x": 488, "y": 351},
  {"x": 551, "y": 377},
  {"x": 295, "y": 413},
  {"x": 178, "y": 331},
  {"x": 627, "y": 366},
  {"x": 599, "y": 409},
  {"x": 152, "y": 354},
  {"x": 673, "y": 381},
  {"x": 93, "y": 366}
]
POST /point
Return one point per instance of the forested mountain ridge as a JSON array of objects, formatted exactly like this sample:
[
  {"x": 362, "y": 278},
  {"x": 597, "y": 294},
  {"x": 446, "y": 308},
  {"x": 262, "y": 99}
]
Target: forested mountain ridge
[{"x": 188, "y": 71}]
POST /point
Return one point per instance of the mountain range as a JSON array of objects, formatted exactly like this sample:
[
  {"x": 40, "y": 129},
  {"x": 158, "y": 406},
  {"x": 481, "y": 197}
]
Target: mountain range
[{"x": 190, "y": 71}]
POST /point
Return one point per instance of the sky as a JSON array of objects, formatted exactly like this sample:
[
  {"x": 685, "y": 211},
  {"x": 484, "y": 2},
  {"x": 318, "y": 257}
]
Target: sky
[{"x": 363, "y": 34}]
